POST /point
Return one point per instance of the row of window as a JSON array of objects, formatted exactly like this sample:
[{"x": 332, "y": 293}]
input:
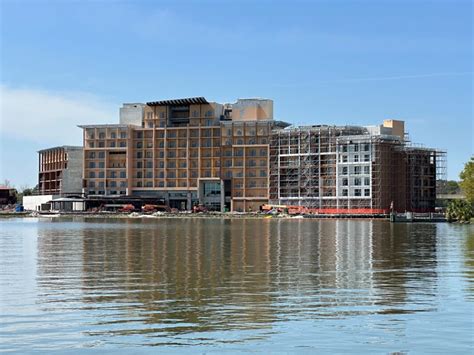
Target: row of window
[
  {"x": 356, "y": 181},
  {"x": 112, "y": 175},
  {"x": 111, "y": 192},
  {"x": 357, "y": 192},
  {"x": 112, "y": 135},
  {"x": 355, "y": 147},
  {"x": 356, "y": 170},
  {"x": 355, "y": 158},
  {"x": 101, "y": 144},
  {"x": 101, "y": 184}
]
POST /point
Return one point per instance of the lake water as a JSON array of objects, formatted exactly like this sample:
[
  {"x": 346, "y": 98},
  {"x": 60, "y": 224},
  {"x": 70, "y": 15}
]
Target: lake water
[{"x": 242, "y": 285}]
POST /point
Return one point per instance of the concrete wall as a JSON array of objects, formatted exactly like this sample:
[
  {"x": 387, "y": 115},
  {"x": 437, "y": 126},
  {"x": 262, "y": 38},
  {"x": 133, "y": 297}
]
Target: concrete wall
[
  {"x": 132, "y": 114},
  {"x": 33, "y": 203},
  {"x": 72, "y": 175},
  {"x": 252, "y": 109}
]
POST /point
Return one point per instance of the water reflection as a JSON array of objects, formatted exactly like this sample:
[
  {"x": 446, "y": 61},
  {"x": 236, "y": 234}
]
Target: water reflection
[{"x": 173, "y": 278}]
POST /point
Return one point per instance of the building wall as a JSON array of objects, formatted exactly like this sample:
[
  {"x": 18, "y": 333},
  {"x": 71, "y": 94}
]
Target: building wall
[
  {"x": 174, "y": 151},
  {"x": 33, "y": 203},
  {"x": 72, "y": 174},
  {"x": 132, "y": 114},
  {"x": 60, "y": 170}
]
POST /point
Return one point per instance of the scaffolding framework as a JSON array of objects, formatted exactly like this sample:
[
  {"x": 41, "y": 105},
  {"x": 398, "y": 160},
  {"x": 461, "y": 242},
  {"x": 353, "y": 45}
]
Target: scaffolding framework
[{"x": 347, "y": 168}]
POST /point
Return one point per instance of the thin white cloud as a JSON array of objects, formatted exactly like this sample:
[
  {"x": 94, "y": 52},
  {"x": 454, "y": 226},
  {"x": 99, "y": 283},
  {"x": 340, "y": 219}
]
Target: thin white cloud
[
  {"x": 48, "y": 117},
  {"x": 380, "y": 78}
]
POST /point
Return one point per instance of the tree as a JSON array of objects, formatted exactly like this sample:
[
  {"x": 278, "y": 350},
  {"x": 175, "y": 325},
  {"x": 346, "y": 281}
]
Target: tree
[
  {"x": 459, "y": 210},
  {"x": 467, "y": 180}
]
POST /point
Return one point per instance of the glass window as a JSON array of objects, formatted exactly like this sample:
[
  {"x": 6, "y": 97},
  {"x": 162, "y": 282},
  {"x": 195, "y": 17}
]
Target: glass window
[
  {"x": 357, "y": 192},
  {"x": 366, "y": 192}
]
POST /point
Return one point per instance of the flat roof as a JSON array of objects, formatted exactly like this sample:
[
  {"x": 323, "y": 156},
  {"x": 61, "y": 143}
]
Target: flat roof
[
  {"x": 65, "y": 147},
  {"x": 186, "y": 101},
  {"x": 106, "y": 125}
]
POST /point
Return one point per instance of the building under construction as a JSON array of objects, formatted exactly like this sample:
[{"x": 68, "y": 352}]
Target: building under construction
[{"x": 353, "y": 169}]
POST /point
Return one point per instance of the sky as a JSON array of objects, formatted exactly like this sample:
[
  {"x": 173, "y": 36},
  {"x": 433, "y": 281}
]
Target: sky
[{"x": 64, "y": 63}]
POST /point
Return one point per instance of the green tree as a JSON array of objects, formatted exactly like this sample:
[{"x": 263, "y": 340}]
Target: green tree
[
  {"x": 459, "y": 210},
  {"x": 467, "y": 180}
]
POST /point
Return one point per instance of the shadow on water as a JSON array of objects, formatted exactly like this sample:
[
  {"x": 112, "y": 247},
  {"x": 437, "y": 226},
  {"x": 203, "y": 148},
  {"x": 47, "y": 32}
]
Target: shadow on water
[{"x": 172, "y": 278}]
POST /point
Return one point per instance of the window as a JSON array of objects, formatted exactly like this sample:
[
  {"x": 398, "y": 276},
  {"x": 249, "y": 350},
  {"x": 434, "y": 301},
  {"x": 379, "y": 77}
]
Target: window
[
  {"x": 356, "y": 148},
  {"x": 101, "y": 135},
  {"x": 366, "y": 192},
  {"x": 113, "y": 174},
  {"x": 356, "y": 170},
  {"x": 139, "y": 155},
  {"x": 357, "y": 182},
  {"x": 344, "y": 170},
  {"x": 139, "y": 145},
  {"x": 149, "y": 175},
  {"x": 101, "y": 155},
  {"x": 101, "y": 174},
  {"x": 123, "y": 144},
  {"x": 366, "y": 147},
  {"x": 123, "y": 135},
  {"x": 150, "y": 124},
  {"x": 149, "y": 115},
  {"x": 101, "y": 164},
  {"x": 91, "y": 184},
  {"x": 263, "y": 173},
  {"x": 123, "y": 174},
  {"x": 366, "y": 157},
  {"x": 344, "y": 192},
  {"x": 149, "y": 164},
  {"x": 366, "y": 169},
  {"x": 345, "y": 182},
  {"x": 123, "y": 184},
  {"x": 149, "y": 184},
  {"x": 92, "y": 155},
  {"x": 113, "y": 184},
  {"x": 139, "y": 174},
  {"x": 139, "y": 164},
  {"x": 113, "y": 135},
  {"x": 356, "y": 158},
  {"x": 344, "y": 148},
  {"x": 366, "y": 181},
  {"x": 112, "y": 144},
  {"x": 92, "y": 175},
  {"x": 149, "y": 154},
  {"x": 357, "y": 192},
  {"x": 344, "y": 158},
  {"x": 92, "y": 165}
]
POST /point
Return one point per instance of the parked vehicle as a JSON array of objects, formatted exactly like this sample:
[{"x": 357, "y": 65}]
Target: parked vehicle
[
  {"x": 155, "y": 208},
  {"x": 199, "y": 208},
  {"x": 127, "y": 208}
]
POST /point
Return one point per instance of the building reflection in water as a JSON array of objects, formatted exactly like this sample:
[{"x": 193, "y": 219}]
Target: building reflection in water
[{"x": 175, "y": 276}]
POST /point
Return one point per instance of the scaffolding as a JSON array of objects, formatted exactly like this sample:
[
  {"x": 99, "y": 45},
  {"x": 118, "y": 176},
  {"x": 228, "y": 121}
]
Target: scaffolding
[{"x": 340, "y": 169}]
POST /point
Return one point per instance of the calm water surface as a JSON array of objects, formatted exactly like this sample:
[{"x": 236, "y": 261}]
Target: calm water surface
[{"x": 213, "y": 286}]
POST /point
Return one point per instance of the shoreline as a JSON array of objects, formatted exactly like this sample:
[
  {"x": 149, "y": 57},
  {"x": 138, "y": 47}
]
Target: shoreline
[
  {"x": 217, "y": 215},
  {"x": 208, "y": 215}
]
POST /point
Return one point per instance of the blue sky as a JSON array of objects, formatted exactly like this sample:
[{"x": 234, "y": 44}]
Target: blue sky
[{"x": 65, "y": 63}]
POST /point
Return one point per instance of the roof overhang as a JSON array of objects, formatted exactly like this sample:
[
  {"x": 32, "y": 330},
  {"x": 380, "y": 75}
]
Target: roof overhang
[{"x": 177, "y": 102}]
